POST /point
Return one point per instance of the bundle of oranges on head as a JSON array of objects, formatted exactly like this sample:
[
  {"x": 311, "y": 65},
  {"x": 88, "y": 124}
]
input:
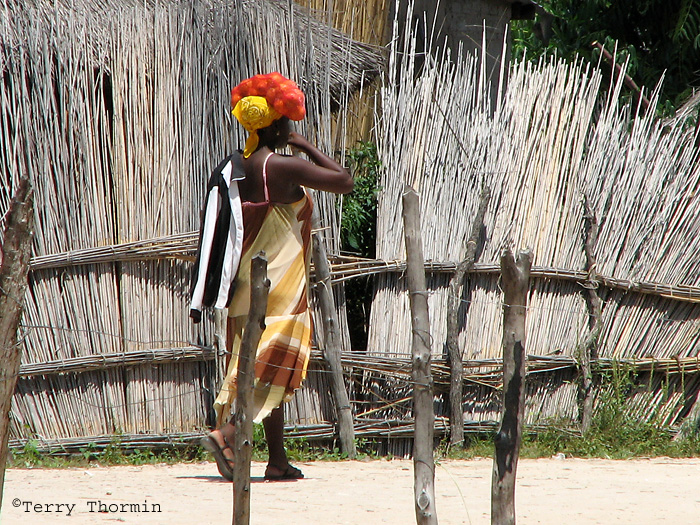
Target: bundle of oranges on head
[{"x": 280, "y": 92}]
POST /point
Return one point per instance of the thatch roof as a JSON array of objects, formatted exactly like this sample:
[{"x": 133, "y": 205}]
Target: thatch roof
[{"x": 335, "y": 58}]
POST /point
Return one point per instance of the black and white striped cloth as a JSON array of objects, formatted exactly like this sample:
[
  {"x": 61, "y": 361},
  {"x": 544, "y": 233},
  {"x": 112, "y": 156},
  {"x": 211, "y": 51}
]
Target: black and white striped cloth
[{"x": 220, "y": 239}]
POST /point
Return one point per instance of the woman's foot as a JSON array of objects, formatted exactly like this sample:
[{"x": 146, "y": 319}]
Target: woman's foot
[
  {"x": 216, "y": 443},
  {"x": 274, "y": 473}
]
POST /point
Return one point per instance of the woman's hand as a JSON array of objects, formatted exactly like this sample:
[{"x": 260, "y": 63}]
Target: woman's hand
[{"x": 298, "y": 142}]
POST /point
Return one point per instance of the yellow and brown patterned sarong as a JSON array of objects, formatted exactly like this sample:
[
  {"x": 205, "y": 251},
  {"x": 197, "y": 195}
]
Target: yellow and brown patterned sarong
[{"x": 283, "y": 232}]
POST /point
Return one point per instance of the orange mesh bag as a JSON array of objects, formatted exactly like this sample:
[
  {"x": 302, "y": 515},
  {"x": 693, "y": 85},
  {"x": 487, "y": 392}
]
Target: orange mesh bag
[{"x": 281, "y": 93}]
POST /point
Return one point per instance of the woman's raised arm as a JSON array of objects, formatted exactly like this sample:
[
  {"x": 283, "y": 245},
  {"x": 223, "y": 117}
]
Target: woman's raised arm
[{"x": 322, "y": 173}]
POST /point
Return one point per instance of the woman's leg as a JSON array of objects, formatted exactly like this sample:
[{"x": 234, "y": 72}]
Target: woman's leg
[
  {"x": 278, "y": 467},
  {"x": 225, "y": 434},
  {"x": 218, "y": 443},
  {"x": 223, "y": 437},
  {"x": 274, "y": 434}
]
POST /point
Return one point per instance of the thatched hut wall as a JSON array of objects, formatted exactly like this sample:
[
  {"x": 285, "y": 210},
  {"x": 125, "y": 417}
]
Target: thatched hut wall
[{"x": 118, "y": 112}]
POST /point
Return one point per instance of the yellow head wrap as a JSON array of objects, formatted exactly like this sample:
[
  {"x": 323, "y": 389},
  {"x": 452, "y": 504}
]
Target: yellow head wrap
[{"x": 254, "y": 113}]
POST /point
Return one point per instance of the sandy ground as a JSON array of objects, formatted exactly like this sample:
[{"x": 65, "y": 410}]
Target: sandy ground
[{"x": 552, "y": 491}]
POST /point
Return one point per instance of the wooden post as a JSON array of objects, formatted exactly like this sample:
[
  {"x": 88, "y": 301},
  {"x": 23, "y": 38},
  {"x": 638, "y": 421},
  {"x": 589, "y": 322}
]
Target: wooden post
[
  {"x": 454, "y": 354},
  {"x": 243, "y": 417},
  {"x": 332, "y": 344},
  {"x": 515, "y": 279},
  {"x": 589, "y": 349},
  {"x": 423, "y": 462},
  {"x": 14, "y": 267}
]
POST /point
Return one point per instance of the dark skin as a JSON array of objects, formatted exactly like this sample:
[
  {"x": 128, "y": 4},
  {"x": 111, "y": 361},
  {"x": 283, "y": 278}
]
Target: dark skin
[
  {"x": 285, "y": 177},
  {"x": 287, "y": 174}
]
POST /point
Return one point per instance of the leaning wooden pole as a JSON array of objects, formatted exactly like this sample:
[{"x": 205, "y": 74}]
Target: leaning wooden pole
[
  {"x": 515, "y": 274},
  {"x": 332, "y": 345},
  {"x": 243, "y": 416},
  {"x": 629, "y": 82},
  {"x": 454, "y": 354},
  {"x": 423, "y": 461},
  {"x": 14, "y": 267}
]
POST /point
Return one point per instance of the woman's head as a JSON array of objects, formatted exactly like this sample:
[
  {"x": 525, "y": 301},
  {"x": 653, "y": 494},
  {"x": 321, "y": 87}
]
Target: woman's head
[
  {"x": 262, "y": 102},
  {"x": 276, "y": 135}
]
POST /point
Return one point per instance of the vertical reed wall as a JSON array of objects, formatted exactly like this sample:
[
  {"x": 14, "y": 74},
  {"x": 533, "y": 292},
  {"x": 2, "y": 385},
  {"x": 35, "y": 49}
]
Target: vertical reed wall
[
  {"x": 550, "y": 141},
  {"x": 118, "y": 112}
]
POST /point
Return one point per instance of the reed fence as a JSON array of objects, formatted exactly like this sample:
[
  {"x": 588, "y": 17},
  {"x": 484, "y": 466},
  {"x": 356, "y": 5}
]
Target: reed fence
[
  {"x": 387, "y": 422},
  {"x": 549, "y": 143},
  {"x": 118, "y": 111}
]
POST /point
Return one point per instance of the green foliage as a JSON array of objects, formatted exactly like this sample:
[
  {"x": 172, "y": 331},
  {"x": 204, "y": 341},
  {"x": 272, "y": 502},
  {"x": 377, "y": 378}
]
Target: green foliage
[
  {"x": 300, "y": 449},
  {"x": 358, "y": 223},
  {"x": 632, "y": 439},
  {"x": 475, "y": 446},
  {"x": 358, "y": 228},
  {"x": 629, "y": 441},
  {"x": 687, "y": 29},
  {"x": 27, "y": 457},
  {"x": 659, "y": 37}
]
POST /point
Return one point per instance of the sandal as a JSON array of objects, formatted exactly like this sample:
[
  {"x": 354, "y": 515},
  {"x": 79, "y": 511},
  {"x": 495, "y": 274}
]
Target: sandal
[
  {"x": 287, "y": 473},
  {"x": 224, "y": 464}
]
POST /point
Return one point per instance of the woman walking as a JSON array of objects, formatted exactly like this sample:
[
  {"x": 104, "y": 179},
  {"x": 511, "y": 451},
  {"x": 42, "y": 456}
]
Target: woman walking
[{"x": 276, "y": 212}]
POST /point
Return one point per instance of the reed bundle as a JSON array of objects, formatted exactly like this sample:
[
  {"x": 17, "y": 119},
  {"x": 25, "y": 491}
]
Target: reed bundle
[
  {"x": 67, "y": 446},
  {"x": 483, "y": 371},
  {"x": 177, "y": 246},
  {"x": 119, "y": 359},
  {"x": 367, "y": 428},
  {"x": 345, "y": 268}
]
